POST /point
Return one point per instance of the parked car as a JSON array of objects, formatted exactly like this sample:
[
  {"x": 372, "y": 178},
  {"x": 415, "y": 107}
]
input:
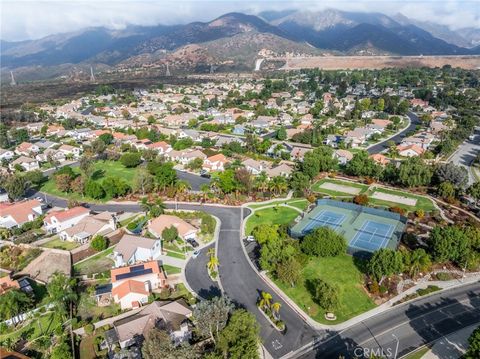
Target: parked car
[
  {"x": 250, "y": 239},
  {"x": 192, "y": 242},
  {"x": 195, "y": 254},
  {"x": 205, "y": 174}
]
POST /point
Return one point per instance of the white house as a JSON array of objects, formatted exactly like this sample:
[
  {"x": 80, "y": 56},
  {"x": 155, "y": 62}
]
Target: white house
[
  {"x": 15, "y": 214},
  {"x": 215, "y": 163},
  {"x": 70, "y": 150},
  {"x": 132, "y": 249},
  {"x": 6, "y": 154},
  {"x": 27, "y": 163},
  {"x": 57, "y": 221},
  {"x": 89, "y": 226}
]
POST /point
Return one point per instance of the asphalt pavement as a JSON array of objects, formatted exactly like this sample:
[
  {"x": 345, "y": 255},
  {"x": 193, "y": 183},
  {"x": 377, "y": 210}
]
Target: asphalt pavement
[
  {"x": 382, "y": 146},
  {"x": 466, "y": 154}
]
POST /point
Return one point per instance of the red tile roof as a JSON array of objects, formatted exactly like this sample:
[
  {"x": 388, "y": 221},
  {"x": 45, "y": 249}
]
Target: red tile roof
[{"x": 67, "y": 214}]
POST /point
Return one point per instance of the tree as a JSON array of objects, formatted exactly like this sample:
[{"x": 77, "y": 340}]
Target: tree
[
  {"x": 211, "y": 316},
  {"x": 240, "y": 338},
  {"x": 416, "y": 261},
  {"x": 195, "y": 164},
  {"x": 264, "y": 233},
  {"x": 61, "y": 350},
  {"x": 319, "y": 160},
  {"x": 299, "y": 182},
  {"x": 413, "y": 172},
  {"x": 131, "y": 159},
  {"x": 143, "y": 181},
  {"x": 98, "y": 146},
  {"x": 446, "y": 190},
  {"x": 107, "y": 138},
  {"x": 164, "y": 174},
  {"x": 34, "y": 177},
  {"x": 153, "y": 209},
  {"x": 115, "y": 187},
  {"x": 449, "y": 243},
  {"x": 86, "y": 165},
  {"x": 362, "y": 165},
  {"x": 473, "y": 350},
  {"x": 62, "y": 182},
  {"x": 281, "y": 134},
  {"x": 99, "y": 243},
  {"x": 13, "y": 302},
  {"x": 289, "y": 271},
  {"x": 15, "y": 185},
  {"x": 276, "y": 309},
  {"x": 158, "y": 345},
  {"x": 324, "y": 294},
  {"x": 226, "y": 181},
  {"x": 449, "y": 172},
  {"x": 61, "y": 292},
  {"x": 94, "y": 190},
  {"x": 384, "y": 262},
  {"x": 474, "y": 190},
  {"x": 170, "y": 234},
  {"x": 323, "y": 242},
  {"x": 265, "y": 300},
  {"x": 276, "y": 250},
  {"x": 78, "y": 184}
]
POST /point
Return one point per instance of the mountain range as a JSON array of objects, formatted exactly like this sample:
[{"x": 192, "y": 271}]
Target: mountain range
[{"x": 236, "y": 39}]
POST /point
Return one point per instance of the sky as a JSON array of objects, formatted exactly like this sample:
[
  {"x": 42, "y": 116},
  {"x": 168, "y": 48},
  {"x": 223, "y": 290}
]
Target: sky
[{"x": 27, "y": 19}]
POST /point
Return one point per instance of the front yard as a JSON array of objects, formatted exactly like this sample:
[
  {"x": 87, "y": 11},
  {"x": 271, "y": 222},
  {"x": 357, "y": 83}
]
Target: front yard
[{"x": 340, "y": 271}]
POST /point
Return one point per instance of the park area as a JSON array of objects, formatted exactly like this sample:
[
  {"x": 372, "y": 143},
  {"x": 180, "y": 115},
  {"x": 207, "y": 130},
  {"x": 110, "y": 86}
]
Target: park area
[
  {"x": 377, "y": 196},
  {"x": 275, "y": 212},
  {"x": 102, "y": 170},
  {"x": 341, "y": 271}
]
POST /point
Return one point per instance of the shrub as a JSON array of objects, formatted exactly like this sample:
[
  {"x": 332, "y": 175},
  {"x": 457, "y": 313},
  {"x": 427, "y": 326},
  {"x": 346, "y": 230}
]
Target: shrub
[
  {"x": 323, "y": 242},
  {"x": 131, "y": 159},
  {"x": 94, "y": 190},
  {"x": 89, "y": 328},
  {"x": 361, "y": 199},
  {"x": 398, "y": 210},
  {"x": 443, "y": 276},
  {"x": 99, "y": 243}
]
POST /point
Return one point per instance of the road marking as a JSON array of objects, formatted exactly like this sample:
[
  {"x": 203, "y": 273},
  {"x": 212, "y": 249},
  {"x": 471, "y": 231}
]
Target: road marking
[
  {"x": 229, "y": 230},
  {"x": 276, "y": 344}
]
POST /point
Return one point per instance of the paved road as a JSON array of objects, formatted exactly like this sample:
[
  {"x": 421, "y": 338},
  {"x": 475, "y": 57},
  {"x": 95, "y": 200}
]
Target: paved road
[
  {"x": 466, "y": 154},
  {"x": 194, "y": 180},
  {"x": 414, "y": 325},
  {"x": 382, "y": 146},
  {"x": 198, "y": 278}
]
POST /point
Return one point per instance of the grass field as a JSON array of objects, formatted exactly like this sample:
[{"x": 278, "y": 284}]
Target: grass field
[
  {"x": 57, "y": 243},
  {"x": 422, "y": 202},
  {"x": 316, "y": 187},
  {"x": 300, "y": 203},
  {"x": 103, "y": 169},
  {"x": 171, "y": 269},
  {"x": 95, "y": 264},
  {"x": 175, "y": 255},
  {"x": 271, "y": 215},
  {"x": 340, "y": 271}
]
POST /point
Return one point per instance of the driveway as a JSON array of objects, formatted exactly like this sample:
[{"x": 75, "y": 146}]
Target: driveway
[
  {"x": 465, "y": 155},
  {"x": 382, "y": 146}
]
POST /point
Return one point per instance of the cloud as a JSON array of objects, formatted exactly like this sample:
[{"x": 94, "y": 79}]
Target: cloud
[{"x": 27, "y": 19}]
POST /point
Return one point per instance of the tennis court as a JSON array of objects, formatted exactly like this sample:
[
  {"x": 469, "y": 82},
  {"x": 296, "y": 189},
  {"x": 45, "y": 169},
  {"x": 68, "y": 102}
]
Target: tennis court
[
  {"x": 366, "y": 229},
  {"x": 325, "y": 218},
  {"x": 372, "y": 236}
]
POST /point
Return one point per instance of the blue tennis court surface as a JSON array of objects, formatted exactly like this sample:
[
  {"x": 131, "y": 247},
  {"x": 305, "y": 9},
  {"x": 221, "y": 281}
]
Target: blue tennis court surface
[
  {"x": 325, "y": 218},
  {"x": 372, "y": 236}
]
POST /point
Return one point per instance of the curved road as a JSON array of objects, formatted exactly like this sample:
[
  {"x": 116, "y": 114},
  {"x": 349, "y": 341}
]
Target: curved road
[
  {"x": 414, "y": 324},
  {"x": 382, "y": 146}
]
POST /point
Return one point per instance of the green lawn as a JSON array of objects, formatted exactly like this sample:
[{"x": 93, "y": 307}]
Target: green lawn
[
  {"x": 271, "y": 215},
  {"x": 171, "y": 269},
  {"x": 418, "y": 354},
  {"x": 175, "y": 255},
  {"x": 316, "y": 187},
  {"x": 422, "y": 202},
  {"x": 300, "y": 203},
  {"x": 95, "y": 264},
  {"x": 45, "y": 324},
  {"x": 103, "y": 169},
  {"x": 57, "y": 243},
  {"x": 340, "y": 271}
]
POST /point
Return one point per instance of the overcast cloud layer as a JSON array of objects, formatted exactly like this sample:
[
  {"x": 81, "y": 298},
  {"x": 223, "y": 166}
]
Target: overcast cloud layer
[{"x": 26, "y": 19}]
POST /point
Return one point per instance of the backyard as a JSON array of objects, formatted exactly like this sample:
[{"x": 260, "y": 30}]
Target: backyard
[
  {"x": 103, "y": 169},
  {"x": 341, "y": 271},
  {"x": 57, "y": 243},
  {"x": 98, "y": 263}
]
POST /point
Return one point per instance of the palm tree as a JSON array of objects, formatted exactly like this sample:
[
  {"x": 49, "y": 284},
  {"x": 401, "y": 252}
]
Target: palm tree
[
  {"x": 280, "y": 184},
  {"x": 266, "y": 300},
  {"x": 213, "y": 263},
  {"x": 182, "y": 186},
  {"x": 211, "y": 252},
  {"x": 61, "y": 292},
  {"x": 145, "y": 204},
  {"x": 276, "y": 309},
  {"x": 261, "y": 181},
  {"x": 205, "y": 188}
]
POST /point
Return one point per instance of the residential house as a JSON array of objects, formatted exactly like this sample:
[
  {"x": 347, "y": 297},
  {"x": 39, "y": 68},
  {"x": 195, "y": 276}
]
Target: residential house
[
  {"x": 132, "y": 249},
  {"x": 423, "y": 140},
  {"x": 7, "y": 282},
  {"x": 226, "y": 140},
  {"x": 297, "y": 153},
  {"x": 343, "y": 156},
  {"x": 51, "y": 154},
  {"x": 380, "y": 159},
  {"x": 185, "y": 230},
  {"x": 239, "y": 130},
  {"x": 215, "y": 163},
  {"x": 45, "y": 144},
  {"x": 26, "y": 149},
  {"x": 57, "y": 221},
  {"x": 172, "y": 316},
  {"x": 333, "y": 140},
  {"x": 70, "y": 151},
  {"x": 255, "y": 167},
  {"x": 283, "y": 169},
  {"x": 27, "y": 163},
  {"x": 131, "y": 285},
  {"x": 410, "y": 150},
  {"x": 185, "y": 156},
  {"x": 90, "y": 226},
  {"x": 16, "y": 214},
  {"x": 6, "y": 155}
]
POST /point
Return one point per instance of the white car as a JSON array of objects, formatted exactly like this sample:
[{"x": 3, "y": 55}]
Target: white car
[
  {"x": 250, "y": 239},
  {"x": 195, "y": 254}
]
